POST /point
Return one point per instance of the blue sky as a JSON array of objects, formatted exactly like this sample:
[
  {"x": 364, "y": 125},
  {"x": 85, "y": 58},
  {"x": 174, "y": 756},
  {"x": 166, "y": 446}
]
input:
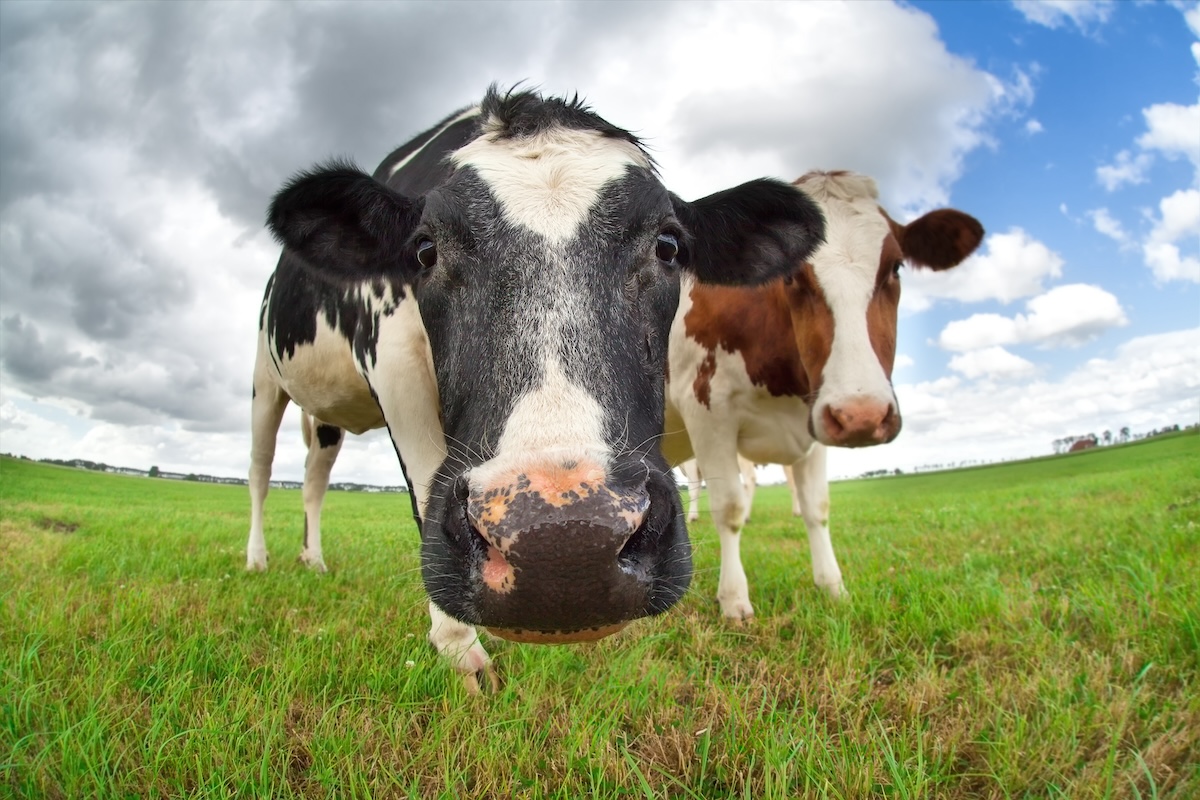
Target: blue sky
[
  {"x": 1090, "y": 85},
  {"x": 140, "y": 143}
]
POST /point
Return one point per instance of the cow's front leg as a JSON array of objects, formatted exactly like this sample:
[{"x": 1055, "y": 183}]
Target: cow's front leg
[
  {"x": 692, "y": 473},
  {"x": 266, "y": 413},
  {"x": 324, "y": 443},
  {"x": 459, "y": 643},
  {"x": 812, "y": 490},
  {"x": 727, "y": 501},
  {"x": 749, "y": 484}
]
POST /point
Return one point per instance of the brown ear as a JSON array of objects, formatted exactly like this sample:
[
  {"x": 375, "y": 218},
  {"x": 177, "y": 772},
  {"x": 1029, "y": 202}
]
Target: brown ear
[{"x": 939, "y": 240}]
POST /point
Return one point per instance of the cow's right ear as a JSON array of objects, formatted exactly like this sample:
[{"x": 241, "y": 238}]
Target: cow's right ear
[
  {"x": 750, "y": 234},
  {"x": 346, "y": 226}
]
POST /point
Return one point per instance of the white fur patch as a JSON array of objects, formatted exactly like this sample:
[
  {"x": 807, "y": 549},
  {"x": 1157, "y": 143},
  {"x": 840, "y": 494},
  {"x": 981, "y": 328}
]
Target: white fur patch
[
  {"x": 557, "y": 421},
  {"x": 470, "y": 112},
  {"x": 322, "y": 378},
  {"x": 549, "y": 182},
  {"x": 404, "y": 381}
]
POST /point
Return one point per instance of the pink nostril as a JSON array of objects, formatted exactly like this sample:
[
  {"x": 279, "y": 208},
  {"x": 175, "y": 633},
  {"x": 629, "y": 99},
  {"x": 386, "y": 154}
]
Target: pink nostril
[
  {"x": 834, "y": 425},
  {"x": 859, "y": 423}
]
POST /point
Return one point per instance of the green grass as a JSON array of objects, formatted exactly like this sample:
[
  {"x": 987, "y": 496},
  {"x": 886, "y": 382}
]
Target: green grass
[{"x": 1024, "y": 630}]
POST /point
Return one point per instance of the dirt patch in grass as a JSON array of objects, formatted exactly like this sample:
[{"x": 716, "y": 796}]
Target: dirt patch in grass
[{"x": 56, "y": 525}]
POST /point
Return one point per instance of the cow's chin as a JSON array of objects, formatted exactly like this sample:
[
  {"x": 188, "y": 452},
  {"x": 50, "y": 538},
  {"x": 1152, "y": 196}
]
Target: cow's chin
[{"x": 557, "y": 637}]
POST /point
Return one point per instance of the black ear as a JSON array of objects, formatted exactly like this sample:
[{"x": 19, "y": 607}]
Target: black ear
[
  {"x": 344, "y": 225},
  {"x": 750, "y": 234}
]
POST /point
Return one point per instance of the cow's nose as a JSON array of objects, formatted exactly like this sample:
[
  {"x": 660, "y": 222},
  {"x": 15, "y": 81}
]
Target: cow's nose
[
  {"x": 555, "y": 497},
  {"x": 860, "y": 423},
  {"x": 562, "y": 562}
]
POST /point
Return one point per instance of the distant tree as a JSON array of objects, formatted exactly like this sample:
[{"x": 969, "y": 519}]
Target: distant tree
[
  {"x": 154, "y": 472},
  {"x": 1125, "y": 434},
  {"x": 1107, "y": 435},
  {"x": 191, "y": 476}
]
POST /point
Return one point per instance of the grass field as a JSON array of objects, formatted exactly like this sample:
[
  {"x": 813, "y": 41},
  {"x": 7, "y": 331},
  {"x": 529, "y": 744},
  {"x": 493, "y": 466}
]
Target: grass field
[{"x": 1025, "y": 630}]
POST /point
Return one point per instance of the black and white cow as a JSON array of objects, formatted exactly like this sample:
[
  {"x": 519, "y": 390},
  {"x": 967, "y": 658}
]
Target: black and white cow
[{"x": 499, "y": 294}]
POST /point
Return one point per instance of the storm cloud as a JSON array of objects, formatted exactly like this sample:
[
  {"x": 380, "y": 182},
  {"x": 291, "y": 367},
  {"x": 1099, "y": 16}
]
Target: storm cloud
[{"x": 141, "y": 142}]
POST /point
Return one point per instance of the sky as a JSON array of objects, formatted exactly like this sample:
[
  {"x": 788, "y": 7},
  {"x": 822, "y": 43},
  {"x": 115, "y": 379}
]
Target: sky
[{"x": 141, "y": 143}]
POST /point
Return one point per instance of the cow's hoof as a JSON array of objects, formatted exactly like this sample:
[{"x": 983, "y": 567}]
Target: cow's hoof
[
  {"x": 693, "y": 517},
  {"x": 256, "y": 563},
  {"x": 313, "y": 561},
  {"x": 737, "y": 612},
  {"x": 488, "y": 672},
  {"x": 836, "y": 591}
]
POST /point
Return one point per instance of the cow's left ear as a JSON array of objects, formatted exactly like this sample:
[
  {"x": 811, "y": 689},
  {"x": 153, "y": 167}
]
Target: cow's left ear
[
  {"x": 346, "y": 226},
  {"x": 939, "y": 240},
  {"x": 750, "y": 234}
]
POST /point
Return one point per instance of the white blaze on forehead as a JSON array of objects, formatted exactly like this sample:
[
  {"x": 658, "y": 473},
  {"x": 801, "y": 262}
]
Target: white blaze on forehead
[
  {"x": 549, "y": 182},
  {"x": 846, "y": 268}
]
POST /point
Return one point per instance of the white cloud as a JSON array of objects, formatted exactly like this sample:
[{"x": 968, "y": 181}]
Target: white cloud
[
  {"x": 732, "y": 129},
  {"x": 948, "y": 421},
  {"x": 1033, "y": 126},
  {"x": 903, "y": 361},
  {"x": 1179, "y": 221},
  {"x": 1127, "y": 169},
  {"x": 1010, "y": 266},
  {"x": 25, "y": 433},
  {"x": 1067, "y": 315},
  {"x": 992, "y": 362},
  {"x": 1191, "y": 15},
  {"x": 1085, "y": 15},
  {"x": 1180, "y": 217},
  {"x": 1105, "y": 223},
  {"x": 1173, "y": 130}
]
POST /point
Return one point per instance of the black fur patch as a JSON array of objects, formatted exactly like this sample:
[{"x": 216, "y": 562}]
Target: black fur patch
[{"x": 328, "y": 435}]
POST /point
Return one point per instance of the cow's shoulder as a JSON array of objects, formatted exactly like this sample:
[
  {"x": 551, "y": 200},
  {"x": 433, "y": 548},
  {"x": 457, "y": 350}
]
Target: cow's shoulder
[{"x": 296, "y": 301}]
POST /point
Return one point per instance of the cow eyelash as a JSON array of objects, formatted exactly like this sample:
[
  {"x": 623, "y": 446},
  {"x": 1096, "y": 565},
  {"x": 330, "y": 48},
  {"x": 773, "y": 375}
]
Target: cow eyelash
[{"x": 426, "y": 252}]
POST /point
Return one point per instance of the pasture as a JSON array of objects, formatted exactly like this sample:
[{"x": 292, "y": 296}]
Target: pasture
[{"x": 1023, "y": 630}]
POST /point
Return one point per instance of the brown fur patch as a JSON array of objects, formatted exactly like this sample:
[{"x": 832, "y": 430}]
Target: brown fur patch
[
  {"x": 883, "y": 308},
  {"x": 755, "y": 323},
  {"x": 702, "y": 386},
  {"x": 812, "y": 327}
]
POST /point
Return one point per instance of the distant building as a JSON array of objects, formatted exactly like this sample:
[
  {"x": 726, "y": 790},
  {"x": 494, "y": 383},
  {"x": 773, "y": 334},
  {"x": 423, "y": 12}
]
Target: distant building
[{"x": 1082, "y": 444}]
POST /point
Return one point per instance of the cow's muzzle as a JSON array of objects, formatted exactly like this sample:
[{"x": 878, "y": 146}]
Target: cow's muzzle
[
  {"x": 858, "y": 422},
  {"x": 563, "y": 553}
]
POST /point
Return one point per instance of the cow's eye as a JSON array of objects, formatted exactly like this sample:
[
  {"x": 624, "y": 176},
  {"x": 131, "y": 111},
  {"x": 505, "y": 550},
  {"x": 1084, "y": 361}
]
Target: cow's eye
[
  {"x": 667, "y": 248},
  {"x": 896, "y": 269},
  {"x": 427, "y": 253}
]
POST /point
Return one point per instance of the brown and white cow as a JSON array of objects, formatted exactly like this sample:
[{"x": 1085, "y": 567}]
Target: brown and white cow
[
  {"x": 499, "y": 294},
  {"x": 779, "y": 372}
]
